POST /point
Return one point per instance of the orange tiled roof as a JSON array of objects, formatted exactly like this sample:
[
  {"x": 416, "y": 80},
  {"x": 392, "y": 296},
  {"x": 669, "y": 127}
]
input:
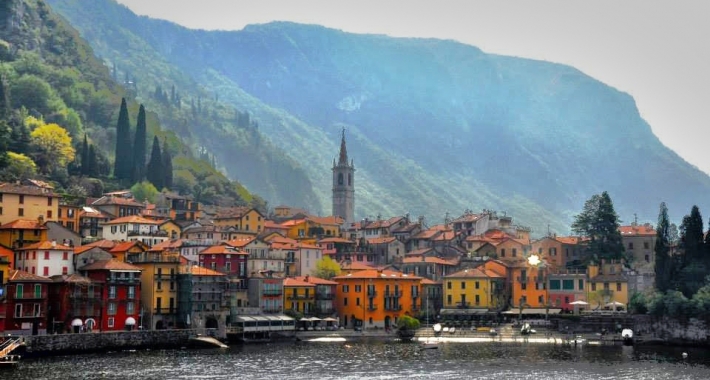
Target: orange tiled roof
[
  {"x": 125, "y": 246},
  {"x": 6, "y": 251},
  {"x": 569, "y": 239},
  {"x": 135, "y": 219},
  {"x": 316, "y": 280},
  {"x": 355, "y": 265},
  {"x": 110, "y": 200},
  {"x": 427, "y": 259},
  {"x": 221, "y": 250},
  {"x": 473, "y": 273},
  {"x": 168, "y": 244},
  {"x": 11, "y": 188},
  {"x": 111, "y": 264},
  {"x": 273, "y": 225},
  {"x": 468, "y": 217},
  {"x": 419, "y": 252},
  {"x": 293, "y": 222},
  {"x": 239, "y": 243},
  {"x": 381, "y": 240},
  {"x": 22, "y": 276},
  {"x": 201, "y": 271},
  {"x": 71, "y": 278},
  {"x": 643, "y": 230},
  {"x": 234, "y": 212},
  {"x": 281, "y": 239},
  {"x": 375, "y": 273},
  {"x": 426, "y": 281},
  {"x": 336, "y": 220},
  {"x": 293, "y": 282},
  {"x": 428, "y": 234},
  {"x": 47, "y": 245},
  {"x": 336, "y": 240},
  {"x": 23, "y": 224},
  {"x": 446, "y": 236},
  {"x": 83, "y": 248},
  {"x": 104, "y": 244},
  {"x": 382, "y": 223}
]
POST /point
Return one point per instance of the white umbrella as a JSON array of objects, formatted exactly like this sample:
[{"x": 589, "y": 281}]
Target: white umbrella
[
  {"x": 615, "y": 304},
  {"x": 315, "y": 319},
  {"x": 579, "y": 302},
  {"x": 330, "y": 319}
]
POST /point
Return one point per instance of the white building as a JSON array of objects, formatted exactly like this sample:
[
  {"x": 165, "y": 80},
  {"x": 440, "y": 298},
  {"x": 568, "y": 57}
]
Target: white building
[
  {"x": 134, "y": 227},
  {"x": 46, "y": 258}
]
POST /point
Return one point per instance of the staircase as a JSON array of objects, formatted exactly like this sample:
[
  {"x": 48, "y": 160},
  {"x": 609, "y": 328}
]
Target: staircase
[{"x": 7, "y": 347}]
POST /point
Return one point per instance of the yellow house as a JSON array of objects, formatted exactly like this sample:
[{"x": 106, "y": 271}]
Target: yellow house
[
  {"x": 299, "y": 296},
  {"x": 20, "y": 233},
  {"x": 473, "y": 288},
  {"x": 244, "y": 219},
  {"x": 27, "y": 202},
  {"x": 313, "y": 228},
  {"x": 173, "y": 229},
  {"x": 607, "y": 287},
  {"x": 121, "y": 250},
  {"x": 159, "y": 287}
]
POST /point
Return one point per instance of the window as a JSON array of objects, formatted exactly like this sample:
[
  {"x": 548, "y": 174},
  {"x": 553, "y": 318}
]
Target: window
[
  {"x": 38, "y": 291},
  {"x": 606, "y": 286},
  {"x": 158, "y": 304},
  {"x": 65, "y": 256},
  {"x": 540, "y": 300},
  {"x": 502, "y": 252},
  {"x": 594, "y": 287},
  {"x": 49, "y": 214},
  {"x": 448, "y": 299},
  {"x": 554, "y": 284},
  {"x": 18, "y": 310},
  {"x": 581, "y": 284},
  {"x": 478, "y": 299},
  {"x": 463, "y": 285},
  {"x": 631, "y": 245},
  {"x": 160, "y": 286},
  {"x": 618, "y": 286},
  {"x": 111, "y": 308},
  {"x": 45, "y": 272},
  {"x": 647, "y": 258},
  {"x": 346, "y": 288},
  {"x": 19, "y": 290},
  {"x": 358, "y": 288},
  {"x": 112, "y": 291},
  {"x": 340, "y": 178},
  {"x": 515, "y": 252},
  {"x": 345, "y": 302},
  {"x": 448, "y": 284},
  {"x": 65, "y": 270},
  {"x": 110, "y": 322},
  {"x": 357, "y": 301},
  {"x": 478, "y": 285},
  {"x": 21, "y": 212},
  {"x": 46, "y": 255},
  {"x": 568, "y": 284},
  {"x": 22, "y": 199}
]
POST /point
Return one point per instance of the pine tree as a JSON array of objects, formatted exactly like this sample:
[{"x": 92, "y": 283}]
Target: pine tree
[
  {"x": 663, "y": 262},
  {"x": 5, "y": 109},
  {"x": 600, "y": 223},
  {"x": 154, "y": 172},
  {"x": 167, "y": 166},
  {"x": 139, "y": 147},
  {"x": 122, "y": 164},
  {"x": 19, "y": 139},
  {"x": 85, "y": 156}
]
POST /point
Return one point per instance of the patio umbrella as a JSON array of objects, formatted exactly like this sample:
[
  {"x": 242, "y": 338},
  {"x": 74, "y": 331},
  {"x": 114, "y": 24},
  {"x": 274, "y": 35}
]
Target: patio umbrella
[
  {"x": 615, "y": 304},
  {"x": 579, "y": 302},
  {"x": 330, "y": 319}
]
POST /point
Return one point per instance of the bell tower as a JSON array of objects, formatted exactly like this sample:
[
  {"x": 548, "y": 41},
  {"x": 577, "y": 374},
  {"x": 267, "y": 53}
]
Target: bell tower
[{"x": 344, "y": 185}]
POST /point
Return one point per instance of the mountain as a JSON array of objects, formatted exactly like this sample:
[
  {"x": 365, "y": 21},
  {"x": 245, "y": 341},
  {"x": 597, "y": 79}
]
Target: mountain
[{"x": 433, "y": 125}]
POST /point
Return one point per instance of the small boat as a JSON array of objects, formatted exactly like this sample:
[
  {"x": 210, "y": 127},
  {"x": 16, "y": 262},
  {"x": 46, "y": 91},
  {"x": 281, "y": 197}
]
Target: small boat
[
  {"x": 525, "y": 329},
  {"x": 627, "y": 336},
  {"x": 430, "y": 345}
]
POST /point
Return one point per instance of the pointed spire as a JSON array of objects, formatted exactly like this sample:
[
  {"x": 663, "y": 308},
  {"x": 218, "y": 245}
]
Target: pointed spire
[{"x": 343, "y": 160}]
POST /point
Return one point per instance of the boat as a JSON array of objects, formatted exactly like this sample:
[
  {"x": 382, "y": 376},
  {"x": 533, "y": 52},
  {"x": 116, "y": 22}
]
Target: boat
[
  {"x": 627, "y": 336},
  {"x": 526, "y": 329},
  {"x": 7, "y": 349},
  {"x": 430, "y": 345}
]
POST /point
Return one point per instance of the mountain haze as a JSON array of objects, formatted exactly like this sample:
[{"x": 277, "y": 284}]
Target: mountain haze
[{"x": 433, "y": 125}]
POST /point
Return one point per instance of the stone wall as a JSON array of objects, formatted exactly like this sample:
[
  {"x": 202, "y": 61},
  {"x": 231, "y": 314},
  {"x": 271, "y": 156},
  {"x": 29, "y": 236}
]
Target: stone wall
[
  {"x": 674, "y": 331},
  {"x": 106, "y": 341}
]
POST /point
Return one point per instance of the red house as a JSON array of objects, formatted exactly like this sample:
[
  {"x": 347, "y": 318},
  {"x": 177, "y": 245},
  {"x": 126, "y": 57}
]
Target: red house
[
  {"x": 227, "y": 260},
  {"x": 120, "y": 293},
  {"x": 74, "y": 304},
  {"x": 26, "y": 303}
]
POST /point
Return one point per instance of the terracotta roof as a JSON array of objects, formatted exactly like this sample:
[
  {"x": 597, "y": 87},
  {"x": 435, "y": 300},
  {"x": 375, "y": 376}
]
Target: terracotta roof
[
  {"x": 381, "y": 240},
  {"x": 201, "y": 271},
  {"x": 83, "y": 248},
  {"x": 109, "y": 200},
  {"x": 234, "y": 212},
  {"x": 11, "y": 188},
  {"x": 474, "y": 273},
  {"x": 419, "y": 252},
  {"x": 315, "y": 280},
  {"x": 90, "y": 212},
  {"x": 374, "y": 273},
  {"x": 336, "y": 240},
  {"x": 6, "y": 251},
  {"x": 111, "y": 264},
  {"x": 47, "y": 245},
  {"x": 426, "y": 281},
  {"x": 276, "y": 238},
  {"x": 39, "y": 183},
  {"x": 293, "y": 222},
  {"x": 135, "y": 219},
  {"x": 406, "y": 228},
  {"x": 643, "y": 230},
  {"x": 355, "y": 265},
  {"x": 71, "y": 278},
  {"x": 427, "y": 259},
  {"x": 273, "y": 225},
  {"x": 126, "y": 245},
  {"x": 334, "y": 220},
  {"x": 168, "y": 244},
  {"x": 468, "y": 217},
  {"x": 382, "y": 223},
  {"x": 427, "y": 234},
  {"x": 446, "y": 236},
  {"x": 569, "y": 239},
  {"x": 23, "y": 224},
  {"x": 239, "y": 243},
  {"x": 222, "y": 250},
  {"x": 104, "y": 244},
  {"x": 292, "y": 282},
  {"x": 22, "y": 276}
]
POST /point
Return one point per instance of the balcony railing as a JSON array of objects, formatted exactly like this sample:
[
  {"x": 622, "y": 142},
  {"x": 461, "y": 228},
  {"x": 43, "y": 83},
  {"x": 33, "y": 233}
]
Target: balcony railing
[
  {"x": 123, "y": 280},
  {"x": 372, "y": 307},
  {"x": 299, "y": 296},
  {"x": 151, "y": 233},
  {"x": 607, "y": 293},
  {"x": 463, "y": 305},
  {"x": 324, "y": 310},
  {"x": 393, "y": 307},
  {"x": 164, "y": 310},
  {"x": 397, "y": 294},
  {"x": 291, "y": 260},
  {"x": 30, "y": 296},
  {"x": 371, "y": 293},
  {"x": 325, "y": 296},
  {"x": 273, "y": 292},
  {"x": 153, "y": 257}
]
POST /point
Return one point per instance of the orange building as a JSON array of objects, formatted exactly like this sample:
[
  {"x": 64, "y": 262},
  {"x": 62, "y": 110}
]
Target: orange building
[
  {"x": 244, "y": 219},
  {"x": 21, "y": 233},
  {"x": 121, "y": 250},
  {"x": 529, "y": 285},
  {"x": 376, "y": 298},
  {"x": 68, "y": 216}
]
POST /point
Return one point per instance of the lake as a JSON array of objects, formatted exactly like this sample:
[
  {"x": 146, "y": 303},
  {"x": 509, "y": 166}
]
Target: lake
[{"x": 380, "y": 360}]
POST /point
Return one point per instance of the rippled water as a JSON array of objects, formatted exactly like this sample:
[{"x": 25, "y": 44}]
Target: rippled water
[{"x": 379, "y": 360}]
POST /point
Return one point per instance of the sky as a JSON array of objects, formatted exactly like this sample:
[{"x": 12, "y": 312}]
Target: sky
[{"x": 655, "y": 50}]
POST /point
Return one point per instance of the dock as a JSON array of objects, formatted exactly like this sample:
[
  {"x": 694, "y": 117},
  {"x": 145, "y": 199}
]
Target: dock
[{"x": 7, "y": 347}]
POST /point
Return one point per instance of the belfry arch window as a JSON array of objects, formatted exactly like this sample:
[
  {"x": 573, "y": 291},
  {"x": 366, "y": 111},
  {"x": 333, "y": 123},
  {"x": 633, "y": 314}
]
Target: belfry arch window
[
  {"x": 340, "y": 178},
  {"x": 350, "y": 179}
]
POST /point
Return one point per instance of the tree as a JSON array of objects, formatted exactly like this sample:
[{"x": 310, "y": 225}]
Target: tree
[
  {"x": 600, "y": 223},
  {"x": 167, "y": 166},
  {"x": 154, "y": 172},
  {"x": 144, "y": 191},
  {"x": 663, "y": 264},
  {"x": 693, "y": 259},
  {"x": 5, "y": 109},
  {"x": 93, "y": 167},
  {"x": 19, "y": 167},
  {"x": 51, "y": 147},
  {"x": 5, "y": 135},
  {"x": 122, "y": 163},
  {"x": 326, "y": 268},
  {"x": 85, "y": 156},
  {"x": 35, "y": 94},
  {"x": 19, "y": 139},
  {"x": 139, "y": 147}
]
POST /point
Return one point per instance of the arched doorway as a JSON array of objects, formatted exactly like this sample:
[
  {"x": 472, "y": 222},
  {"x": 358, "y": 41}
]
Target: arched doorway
[
  {"x": 388, "y": 322},
  {"x": 90, "y": 325},
  {"x": 159, "y": 325},
  {"x": 211, "y": 323}
]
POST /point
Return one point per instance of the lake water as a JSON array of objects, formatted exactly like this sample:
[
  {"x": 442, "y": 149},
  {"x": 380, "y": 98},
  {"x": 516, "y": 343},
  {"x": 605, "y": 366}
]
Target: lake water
[{"x": 379, "y": 360}]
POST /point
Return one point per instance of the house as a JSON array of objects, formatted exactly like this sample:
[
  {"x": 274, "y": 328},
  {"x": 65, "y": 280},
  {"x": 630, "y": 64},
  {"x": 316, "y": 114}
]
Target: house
[
  {"x": 307, "y": 255},
  {"x": 7, "y": 255},
  {"x": 475, "y": 288},
  {"x": 132, "y": 228},
  {"x": 91, "y": 221},
  {"x": 559, "y": 250},
  {"x": 73, "y": 297},
  {"x": 158, "y": 287},
  {"x": 639, "y": 242},
  {"x": 203, "y": 301},
  {"x": 118, "y": 207},
  {"x": 376, "y": 298},
  {"x": 46, "y": 258},
  {"x": 120, "y": 293},
  {"x": 244, "y": 219},
  {"x": 607, "y": 284},
  {"x": 566, "y": 286},
  {"x": 432, "y": 299},
  {"x": 177, "y": 207},
  {"x": 68, "y": 216},
  {"x": 121, "y": 250},
  {"x": 299, "y": 296},
  {"x": 324, "y": 295},
  {"x": 381, "y": 228},
  {"x": 231, "y": 262},
  {"x": 59, "y": 233},
  {"x": 261, "y": 257},
  {"x": 433, "y": 268},
  {"x": 310, "y": 228},
  {"x": 22, "y": 232},
  {"x": 87, "y": 254},
  {"x": 173, "y": 229},
  {"x": 26, "y": 303},
  {"x": 529, "y": 284},
  {"x": 265, "y": 292},
  {"x": 386, "y": 249},
  {"x": 27, "y": 202}
]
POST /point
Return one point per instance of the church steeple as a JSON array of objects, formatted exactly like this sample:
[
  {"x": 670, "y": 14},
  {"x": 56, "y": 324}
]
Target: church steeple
[{"x": 343, "y": 159}]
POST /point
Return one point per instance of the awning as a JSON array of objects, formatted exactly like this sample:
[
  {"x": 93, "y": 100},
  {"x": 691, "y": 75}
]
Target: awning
[
  {"x": 528, "y": 311},
  {"x": 463, "y": 311}
]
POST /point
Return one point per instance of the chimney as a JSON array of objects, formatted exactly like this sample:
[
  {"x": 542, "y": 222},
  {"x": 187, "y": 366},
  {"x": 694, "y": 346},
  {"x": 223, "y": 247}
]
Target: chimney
[{"x": 306, "y": 278}]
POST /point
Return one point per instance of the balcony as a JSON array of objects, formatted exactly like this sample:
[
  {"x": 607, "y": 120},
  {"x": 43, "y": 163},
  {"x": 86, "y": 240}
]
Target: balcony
[
  {"x": 463, "y": 305},
  {"x": 606, "y": 293},
  {"x": 271, "y": 309},
  {"x": 299, "y": 296},
  {"x": 123, "y": 280},
  {"x": 164, "y": 310},
  {"x": 150, "y": 233},
  {"x": 31, "y": 296},
  {"x": 165, "y": 277},
  {"x": 372, "y": 307},
  {"x": 291, "y": 260},
  {"x": 393, "y": 308},
  {"x": 325, "y": 296},
  {"x": 152, "y": 257},
  {"x": 371, "y": 293},
  {"x": 395, "y": 294},
  {"x": 272, "y": 292}
]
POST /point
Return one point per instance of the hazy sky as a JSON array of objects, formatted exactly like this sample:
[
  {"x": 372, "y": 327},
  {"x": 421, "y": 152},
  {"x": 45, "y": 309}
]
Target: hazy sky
[{"x": 658, "y": 51}]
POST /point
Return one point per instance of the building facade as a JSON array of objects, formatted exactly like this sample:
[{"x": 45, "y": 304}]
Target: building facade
[{"x": 344, "y": 185}]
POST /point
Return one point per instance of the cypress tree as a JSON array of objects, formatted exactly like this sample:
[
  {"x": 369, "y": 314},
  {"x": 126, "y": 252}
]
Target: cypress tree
[
  {"x": 19, "y": 138},
  {"x": 85, "y": 156},
  {"x": 92, "y": 168},
  {"x": 154, "y": 172},
  {"x": 139, "y": 148},
  {"x": 663, "y": 262},
  {"x": 167, "y": 166},
  {"x": 4, "y": 100},
  {"x": 691, "y": 275},
  {"x": 122, "y": 164}
]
